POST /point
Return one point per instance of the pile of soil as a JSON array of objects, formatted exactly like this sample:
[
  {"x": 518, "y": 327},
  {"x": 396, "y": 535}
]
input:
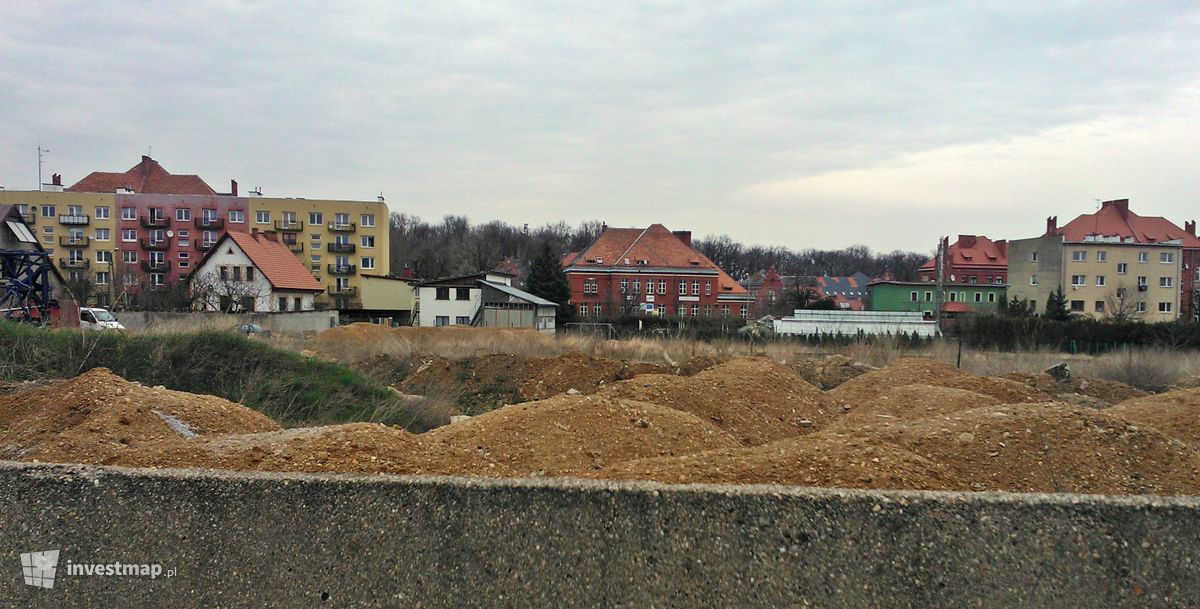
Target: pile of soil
[
  {"x": 350, "y": 448},
  {"x": 546, "y": 377},
  {"x": 1103, "y": 392},
  {"x": 356, "y": 334},
  {"x": 1175, "y": 413},
  {"x": 572, "y": 435},
  {"x": 96, "y": 416},
  {"x": 830, "y": 371},
  {"x": 867, "y": 388},
  {"x": 1051, "y": 448},
  {"x": 910, "y": 402},
  {"x": 820, "y": 459},
  {"x": 755, "y": 400}
]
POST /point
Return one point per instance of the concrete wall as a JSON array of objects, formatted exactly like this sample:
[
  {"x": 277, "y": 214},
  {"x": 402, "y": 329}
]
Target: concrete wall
[
  {"x": 1047, "y": 268},
  {"x": 311, "y": 541},
  {"x": 288, "y": 323}
]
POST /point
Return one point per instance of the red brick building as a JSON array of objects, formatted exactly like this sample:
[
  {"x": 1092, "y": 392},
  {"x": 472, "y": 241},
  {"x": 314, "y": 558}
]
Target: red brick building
[
  {"x": 766, "y": 288},
  {"x": 971, "y": 259},
  {"x": 651, "y": 270}
]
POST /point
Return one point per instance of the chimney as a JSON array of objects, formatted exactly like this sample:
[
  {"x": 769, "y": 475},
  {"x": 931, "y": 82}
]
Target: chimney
[
  {"x": 254, "y": 231},
  {"x": 56, "y": 179},
  {"x": 1051, "y": 226},
  {"x": 1190, "y": 227},
  {"x": 967, "y": 241},
  {"x": 233, "y": 188},
  {"x": 407, "y": 273},
  {"x": 270, "y": 235},
  {"x": 684, "y": 235},
  {"x": 1002, "y": 247},
  {"x": 1121, "y": 205}
]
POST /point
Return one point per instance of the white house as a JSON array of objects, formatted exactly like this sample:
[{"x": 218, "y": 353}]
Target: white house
[
  {"x": 483, "y": 299},
  {"x": 253, "y": 272}
]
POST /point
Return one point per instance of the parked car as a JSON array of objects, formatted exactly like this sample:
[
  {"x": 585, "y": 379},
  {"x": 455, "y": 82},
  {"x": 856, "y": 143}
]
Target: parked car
[
  {"x": 251, "y": 329},
  {"x": 98, "y": 319}
]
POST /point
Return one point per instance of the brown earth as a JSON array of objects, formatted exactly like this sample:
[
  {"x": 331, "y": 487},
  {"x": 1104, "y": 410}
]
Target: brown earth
[
  {"x": 1175, "y": 413},
  {"x": 755, "y": 400},
  {"x": 98, "y": 415},
  {"x": 571, "y": 435},
  {"x": 903, "y": 404},
  {"x": 1103, "y": 392},
  {"x": 830, "y": 371},
  {"x": 868, "y": 387}
]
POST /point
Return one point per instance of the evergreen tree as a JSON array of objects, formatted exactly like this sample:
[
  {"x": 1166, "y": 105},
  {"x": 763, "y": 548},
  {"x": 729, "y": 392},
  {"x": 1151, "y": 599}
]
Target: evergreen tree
[
  {"x": 548, "y": 280},
  {"x": 1056, "y": 306}
]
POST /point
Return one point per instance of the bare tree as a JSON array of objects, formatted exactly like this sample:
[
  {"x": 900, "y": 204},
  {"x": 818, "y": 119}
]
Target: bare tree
[
  {"x": 212, "y": 292},
  {"x": 1122, "y": 305}
]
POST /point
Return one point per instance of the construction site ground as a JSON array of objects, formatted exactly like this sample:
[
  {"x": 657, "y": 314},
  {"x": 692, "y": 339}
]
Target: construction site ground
[{"x": 827, "y": 422}]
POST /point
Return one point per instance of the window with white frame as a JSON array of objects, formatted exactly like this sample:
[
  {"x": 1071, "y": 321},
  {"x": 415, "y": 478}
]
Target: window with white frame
[
  {"x": 708, "y": 288},
  {"x": 1164, "y": 307},
  {"x": 183, "y": 214},
  {"x": 1101, "y": 256},
  {"x": 262, "y": 216},
  {"x": 1143, "y": 257},
  {"x": 1165, "y": 282},
  {"x": 1079, "y": 255},
  {"x": 101, "y": 212},
  {"x": 102, "y": 234},
  {"x": 912, "y": 296},
  {"x": 1078, "y": 280},
  {"x": 1141, "y": 306},
  {"x": 367, "y": 220},
  {"x": 102, "y": 278},
  {"x": 368, "y": 263},
  {"x": 1033, "y": 279},
  {"x": 104, "y": 257},
  {"x": 315, "y": 218},
  {"x": 1142, "y": 281},
  {"x": 367, "y": 241},
  {"x": 696, "y": 288},
  {"x": 1122, "y": 268},
  {"x": 624, "y": 284},
  {"x": 129, "y": 213},
  {"x": 1166, "y": 257},
  {"x": 237, "y": 216},
  {"x": 128, "y": 235},
  {"x": 129, "y": 257},
  {"x": 1100, "y": 280},
  {"x": 682, "y": 287},
  {"x": 662, "y": 286}
]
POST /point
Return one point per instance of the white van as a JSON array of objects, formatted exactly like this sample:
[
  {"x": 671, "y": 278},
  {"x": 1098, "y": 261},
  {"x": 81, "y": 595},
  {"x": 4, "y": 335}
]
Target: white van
[{"x": 98, "y": 319}]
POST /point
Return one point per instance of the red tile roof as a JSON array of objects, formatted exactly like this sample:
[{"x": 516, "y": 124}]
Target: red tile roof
[
  {"x": 974, "y": 251},
  {"x": 1115, "y": 220},
  {"x": 273, "y": 259},
  {"x": 957, "y": 307},
  {"x": 147, "y": 177},
  {"x": 657, "y": 246}
]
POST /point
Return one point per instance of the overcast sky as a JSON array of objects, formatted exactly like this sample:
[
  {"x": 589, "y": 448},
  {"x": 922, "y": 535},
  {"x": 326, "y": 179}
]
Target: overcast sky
[{"x": 820, "y": 124}]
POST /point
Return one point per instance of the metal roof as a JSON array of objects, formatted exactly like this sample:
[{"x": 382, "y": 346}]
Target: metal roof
[{"x": 523, "y": 295}]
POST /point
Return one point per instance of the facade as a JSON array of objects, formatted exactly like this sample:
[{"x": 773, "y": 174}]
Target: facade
[
  {"x": 484, "y": 300},
  {"x": 1103, "y": 278},
  {"x": 126, "y": 241},
  {"x": 766, "y": 289},
  {"x": 970, "y": 259},
  {"x": 921, "y": 296},
  {"x": 651, "y": 270},
  {"x": 253, "y": 273},
  {"x": 386, "y": 300},
  {"x": 855, "y": 323}
]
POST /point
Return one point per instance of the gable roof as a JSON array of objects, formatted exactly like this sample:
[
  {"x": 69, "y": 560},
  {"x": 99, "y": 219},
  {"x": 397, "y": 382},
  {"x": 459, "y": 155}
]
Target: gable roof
[
  {"x": 654, "y": 247},
  {"x": 273, "y": 259},
  {"x": 1115, "y": 220},
  {"x": 147, "y": 177},
  {"x": 514, "y": 292},
  {"x": 973, "y": 250}
]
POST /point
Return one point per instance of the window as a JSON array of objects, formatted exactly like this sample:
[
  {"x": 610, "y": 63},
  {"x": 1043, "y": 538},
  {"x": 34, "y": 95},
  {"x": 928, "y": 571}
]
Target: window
[
  {"x": 102, "y": 234},
  {"x": 1143, "y": 257},
  {"x": 583, "y": 309},
  {"x": 662, "y": 310},
  {"x": 696, "y": 289},
  {"x": 1076, "y": 305},
  {"x": 441, "y": 320},
  {"x": 462, "y": 293},
  {"x": 953, "y": 297},
  {"x": 262, "y": 217},
  {"x": 1077, "y": 280},
  {"x": 49, "y": 230},
  {"x": 1142, "y": 281},
  {"x": 1079, "y": 255},
  {"x": 682, "y": 288},
  {"x": 928, "y": 296},
  {"x": 104, "y": 257},
  {"x": 237, "y": 216},
  {"x": 681, "y": 310},
  {"x": 1166, "y": 257},
  {"x": 724, "y": 310},
  {"x": 590, "y": 286},
  {"x": 973, "y": 279},
  {"x": 368, "y": 263},
  {"x": 157, "y": 280},
  {"x": 208, "y": 215},
  {"x": 102, "y": 278},
  {"x": 1141, "y": 307},
  {"x": 662, "y": 286},
  {"x": 597, "y": 309},
  {"x": 128, "y": 235},
  {"x": 912, "y": 296},
  {"x": 129, "y": 257},
  {"x": 745, "y": 311},
  {"x": 1034, "y": 257},
  {"x": 315, "y": 237},
  {"x": 1100, "y": 280},
  {"x": 1164, "y": 307},
  {"x": 1033, "y": 280},
  {"x": 183, "y": 255},
  {"x": 297, "y": 304},
  {"x": 183, "y": 264},
  {"x": 991, "y": 297},
  {"x": 249, "y": 273},
  {"x": 462, "y": 320},
  {"x": 341, "y": 219},
  {"x": 209, "y": 237},
  {"x": 129, "y": 279},
  {"x": 237, "y": 273},
  {"x": 1099, "y": 306},
  {"x": 315, "y": 218},
  {"x": 1165, "y": 282},
  {"x": 367, "y": 220},
  {"x": 1121, "y": 292},
  {"x": 47, "y": 211},
  {"x": 1033, "y": 305},
  {"x": 283, "y": 303},
  {"x": 1122, "y": 268},
  {"x": 183, "y": 214},
  {"x": 637, "y": 286},
  {"x": 1101, "y": 256},
  {"x": 978, "y": 296},
  {"x": 101, "y": 212},
  {"x": 129, "y": 213},
  {"x": 708, "y": 288},
  {"x": 442, "y": 294},
  {"x": 367, "y": 241},
  {"x": 695, "y": 310},
  {"x": 624, "y": 284}
]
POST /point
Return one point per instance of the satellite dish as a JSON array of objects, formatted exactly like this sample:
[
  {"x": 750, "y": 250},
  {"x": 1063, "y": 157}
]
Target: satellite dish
[{"x": 170, "y": 234}]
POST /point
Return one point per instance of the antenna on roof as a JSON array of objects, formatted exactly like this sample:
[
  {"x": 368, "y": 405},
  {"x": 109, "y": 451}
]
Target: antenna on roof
[{"x": 41, "y": 151}]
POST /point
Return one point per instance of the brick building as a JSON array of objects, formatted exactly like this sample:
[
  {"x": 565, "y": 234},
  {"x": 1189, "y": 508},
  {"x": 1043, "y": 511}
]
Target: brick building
[
  {"x": 651, "y": 270},
  {"x": 971, "y": 259},
  {"x": 766, "y": 288}
]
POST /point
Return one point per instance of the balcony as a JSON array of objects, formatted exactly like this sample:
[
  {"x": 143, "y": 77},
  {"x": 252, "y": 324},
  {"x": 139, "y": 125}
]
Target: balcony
[
  {"x": 74, "y": 263},
  {"x": 156, "y": 266},
  {"x": 147, "y": 244},
  {"x": 340, "y": 248},
  {"x": 210, "y": 223},
  {"x": 289, "y": 226},
  {"x": 348, "y": 291},
  {"x": 335, "y": 227},
  {"x": 74, "y": 220},
  {"x": 68, "y": 241},
  {"x": 155, "y": 221},
  {"x": 204, "y": 246},
  {"x": 297, "y": 247},
  {"x": 345, "y": 269}
]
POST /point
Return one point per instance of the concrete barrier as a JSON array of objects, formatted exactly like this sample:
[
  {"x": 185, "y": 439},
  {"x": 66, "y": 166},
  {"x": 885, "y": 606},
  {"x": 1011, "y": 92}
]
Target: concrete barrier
[
  {"x": 298, "y": 322},
  {"x": 236, "y": 540}
]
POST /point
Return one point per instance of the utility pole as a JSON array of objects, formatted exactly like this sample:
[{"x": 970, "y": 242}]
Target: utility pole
[
  {"x": 41, "y": 151},
  {"x": 940, "y": 265}
]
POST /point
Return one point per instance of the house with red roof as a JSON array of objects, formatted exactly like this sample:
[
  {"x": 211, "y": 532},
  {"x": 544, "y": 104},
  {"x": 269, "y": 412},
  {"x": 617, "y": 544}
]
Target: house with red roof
[
  {"x": 147, "y": 177},
  {"x": 971, "y": 259},
  {"x": 253, "y": 272},
  {"x": 651, "y": 270}
]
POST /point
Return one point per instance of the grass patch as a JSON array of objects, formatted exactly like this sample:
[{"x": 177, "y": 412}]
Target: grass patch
[{"x": 288, "y": 387}]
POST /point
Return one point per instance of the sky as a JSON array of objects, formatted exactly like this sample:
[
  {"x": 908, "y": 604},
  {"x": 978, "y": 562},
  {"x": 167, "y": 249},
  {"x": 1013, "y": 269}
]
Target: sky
[{"x": 801, "y": 124}]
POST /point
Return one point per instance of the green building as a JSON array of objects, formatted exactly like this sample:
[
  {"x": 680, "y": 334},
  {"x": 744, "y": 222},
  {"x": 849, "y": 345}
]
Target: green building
[{"x": 960, "y": 298}]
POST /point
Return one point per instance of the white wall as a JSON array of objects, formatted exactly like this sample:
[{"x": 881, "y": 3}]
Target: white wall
[
  {"x": 431, "y": 308},
  {"x": 267, "y": 298}
]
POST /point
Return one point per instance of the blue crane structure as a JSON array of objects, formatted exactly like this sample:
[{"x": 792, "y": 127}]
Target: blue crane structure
[{"x": 25, "y": 293}]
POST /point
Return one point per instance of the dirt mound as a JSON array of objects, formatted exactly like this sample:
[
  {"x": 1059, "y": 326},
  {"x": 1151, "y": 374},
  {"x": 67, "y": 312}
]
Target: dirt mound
[
  {"x": 351, "y": 448},
  {"x": 356, "y": 334},
  {"x": 830, "y": 371},
  {"x": 910, "y": 402},
  {"x": 98, "y": 415},
  {"x": 1175, "y": 413},
  {"x": 1051, "y": 448},
  {"x": 820, "y": 459},
  {"x": 1104, "y": 392},
  {"x": 545, "y": 377},
  {"x": 755, "y": 400},
  {"x": 868, "y": 387},
  {"x": 572, "y": 435}
]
